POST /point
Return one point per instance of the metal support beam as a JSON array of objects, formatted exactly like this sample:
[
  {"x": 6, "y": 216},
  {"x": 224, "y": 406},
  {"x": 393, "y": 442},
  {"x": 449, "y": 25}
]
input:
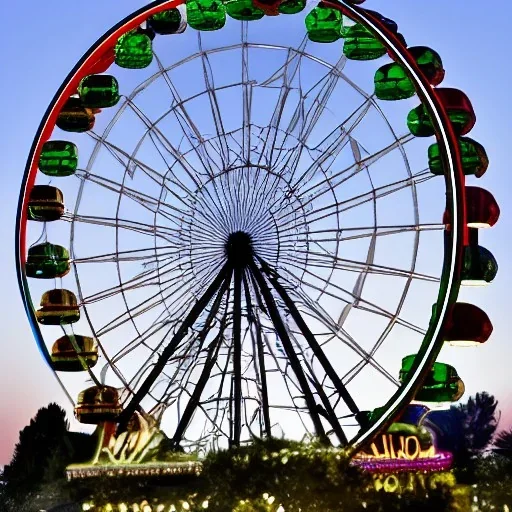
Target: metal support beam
[
  {"x": 290, "y": 352},
  {"x": 237, "y": 355},
  {"x": 168, "y": 352},
  {"x": 310, "y": 338},
  {"x": 258, "y": 342}
]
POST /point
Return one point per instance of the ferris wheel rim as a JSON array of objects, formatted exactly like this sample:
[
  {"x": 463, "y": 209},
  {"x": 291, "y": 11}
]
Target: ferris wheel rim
[{"x": 433, "y": 104}]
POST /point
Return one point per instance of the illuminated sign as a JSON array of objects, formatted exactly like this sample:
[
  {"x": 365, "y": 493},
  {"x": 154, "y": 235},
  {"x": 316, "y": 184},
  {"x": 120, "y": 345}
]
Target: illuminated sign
[
  {"x": 139, "y": 451},
  {"x": 411, "y": 482},
  {"x": 404, "y": 447},
  {"x": 401, "y": 447}
]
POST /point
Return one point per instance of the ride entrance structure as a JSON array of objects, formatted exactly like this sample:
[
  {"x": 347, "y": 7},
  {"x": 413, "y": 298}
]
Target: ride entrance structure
[{"x": 241, "y": 227}]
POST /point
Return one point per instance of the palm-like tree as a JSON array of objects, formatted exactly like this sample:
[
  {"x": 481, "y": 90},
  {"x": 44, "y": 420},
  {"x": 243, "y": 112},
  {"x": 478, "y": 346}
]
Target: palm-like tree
[
  {"x": 466, "y": 430},
  {"x": 467, "y": 427},
  {"x": 503, "y": 443},
  {"x": 480, "y": 422}
]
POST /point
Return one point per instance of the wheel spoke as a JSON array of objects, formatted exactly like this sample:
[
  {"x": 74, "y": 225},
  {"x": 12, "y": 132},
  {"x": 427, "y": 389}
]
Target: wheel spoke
[
  {"x": 178, "y": 290},
  {"x": 214, "y": 104},
  {"x": 148, "y": 202},
  {"x": 286, "y": 74},
  {"x": 336, "y": 208},
  {"x": 214, "y": 208},
  {"x": 129, "y": 162},
  {"x": 165, "y": 232},
  {"x": 332, "y": 145},
  {"x": 247, "y": 92},
  {"x": 364, "y": 304},
  {"x": 325, "y": 260},
  {"x": 189, "y": 129}
]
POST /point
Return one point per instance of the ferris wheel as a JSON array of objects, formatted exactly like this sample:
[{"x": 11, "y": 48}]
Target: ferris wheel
[{"x": 249, "y": 218}]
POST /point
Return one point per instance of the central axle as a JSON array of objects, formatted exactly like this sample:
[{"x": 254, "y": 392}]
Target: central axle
[{"x": 239, "y": 250}]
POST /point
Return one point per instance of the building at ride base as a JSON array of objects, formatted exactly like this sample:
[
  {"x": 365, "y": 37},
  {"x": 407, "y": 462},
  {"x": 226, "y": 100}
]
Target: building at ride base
[{"x": 140, "y": 451}]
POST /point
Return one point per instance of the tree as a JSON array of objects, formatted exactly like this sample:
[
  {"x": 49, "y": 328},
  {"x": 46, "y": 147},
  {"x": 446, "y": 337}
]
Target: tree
[
  {"x": 38, "y": 441},
  {"x": 466, "y": 430},
  {"x": 44, "y": 449},
  {"x": 480, "y": 422},
  {"x": 503, "y": 443}
]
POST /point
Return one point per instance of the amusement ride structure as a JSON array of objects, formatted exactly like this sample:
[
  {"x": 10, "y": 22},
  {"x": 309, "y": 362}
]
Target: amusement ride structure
[{"x": 249, "y": 218}]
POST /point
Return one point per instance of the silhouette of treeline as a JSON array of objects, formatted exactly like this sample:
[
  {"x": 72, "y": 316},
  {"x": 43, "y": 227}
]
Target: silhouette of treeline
[{"x": 45, "y": 447}]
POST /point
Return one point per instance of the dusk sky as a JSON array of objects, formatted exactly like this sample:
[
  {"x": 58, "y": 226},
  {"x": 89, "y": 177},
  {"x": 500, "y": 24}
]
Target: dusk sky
[{"x": 43, "y": 40}]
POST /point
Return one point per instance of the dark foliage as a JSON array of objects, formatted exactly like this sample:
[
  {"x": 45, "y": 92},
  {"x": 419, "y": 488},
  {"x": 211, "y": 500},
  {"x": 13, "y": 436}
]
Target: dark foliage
[
  {"x": 503, "y": 444},
  {"x": 44, "y": 449},
  {"x": 466, "y": 430},
  {"x": 481, "y": 421},
  {"x": 43, "y": 439}
]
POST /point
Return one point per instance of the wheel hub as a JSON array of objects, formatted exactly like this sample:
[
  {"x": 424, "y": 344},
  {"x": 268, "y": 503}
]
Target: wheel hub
[{"x": 239, "y": 248}]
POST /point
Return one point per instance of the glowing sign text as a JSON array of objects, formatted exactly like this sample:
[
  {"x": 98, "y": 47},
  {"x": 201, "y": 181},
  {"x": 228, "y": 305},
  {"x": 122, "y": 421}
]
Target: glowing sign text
[
  {"x": 410, "y": 482},
  {"x": 399, "y": 447}
]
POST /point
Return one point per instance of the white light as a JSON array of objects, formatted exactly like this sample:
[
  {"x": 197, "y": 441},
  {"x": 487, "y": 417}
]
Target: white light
[
  {"x": 463, "y": 343},
  {"x": 435, "y": 406},
  {"x": 473, "y": 282},
  {"x": 479, "y": 225},
  {"x": 205, "y": 504}
]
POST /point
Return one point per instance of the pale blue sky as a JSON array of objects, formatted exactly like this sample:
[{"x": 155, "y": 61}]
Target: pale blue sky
[{"x": 42, "y": 42}]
